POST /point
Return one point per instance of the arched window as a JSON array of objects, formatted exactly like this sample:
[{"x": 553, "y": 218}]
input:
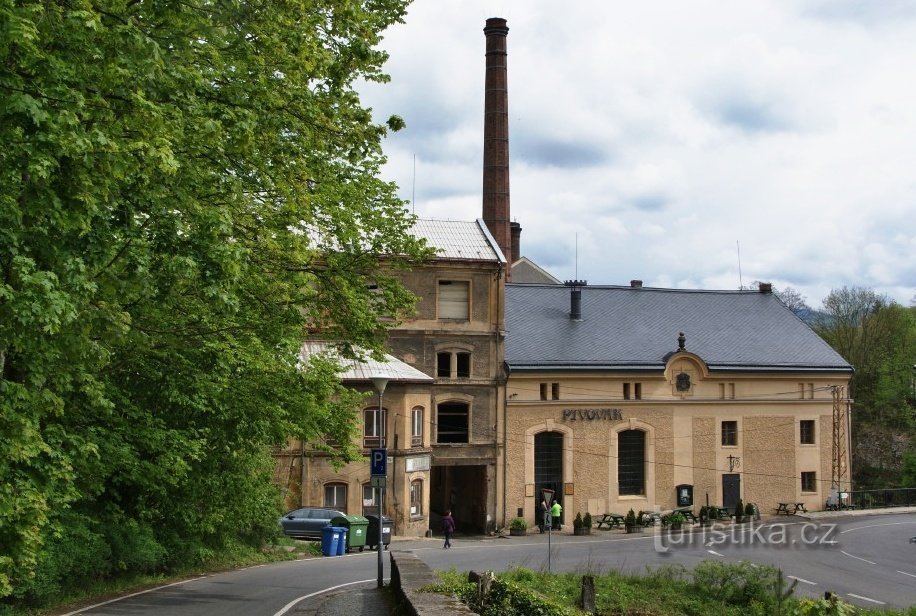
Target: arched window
[
  {"x": 631, "y": 463},
  {"x": 335, "y": 496},
  {"x": 416, "y": 426},
  {"x": 416, "y": 497}
]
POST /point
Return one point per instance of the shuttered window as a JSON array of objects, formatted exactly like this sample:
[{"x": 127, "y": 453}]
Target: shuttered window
[{"x": 453, "y": 300}]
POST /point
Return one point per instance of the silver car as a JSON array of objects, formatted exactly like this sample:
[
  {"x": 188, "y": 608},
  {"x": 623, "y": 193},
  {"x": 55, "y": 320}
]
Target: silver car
[{"x": 307, "y": 522}]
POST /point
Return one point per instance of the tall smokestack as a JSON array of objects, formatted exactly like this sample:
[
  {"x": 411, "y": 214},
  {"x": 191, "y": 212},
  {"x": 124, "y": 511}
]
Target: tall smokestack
[
  {"x": 515, "y": 231},
  {"x": 496, "y": 137}
]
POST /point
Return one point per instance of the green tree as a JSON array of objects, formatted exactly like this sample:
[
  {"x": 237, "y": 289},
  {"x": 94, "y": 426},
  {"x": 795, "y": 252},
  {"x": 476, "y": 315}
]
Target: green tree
[{"x": 186, "y": 190}]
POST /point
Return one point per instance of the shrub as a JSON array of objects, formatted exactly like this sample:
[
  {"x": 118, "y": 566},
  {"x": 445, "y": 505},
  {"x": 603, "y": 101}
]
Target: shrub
[
  {"x": 674, "y": 519},
  {"x": 630, "y": 518},
  {"x": 577, "y": 522},
  {"x": 737, "y": 583},
  {"x": 518, "y": 524},
  {"x": 749, "y": 509},
  {"x": 739, "y": 509},
  {"x": 587, "y": 520}
]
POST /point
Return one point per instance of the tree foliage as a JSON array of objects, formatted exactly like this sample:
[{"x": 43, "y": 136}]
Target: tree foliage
[{"x": 186, "y": 189}]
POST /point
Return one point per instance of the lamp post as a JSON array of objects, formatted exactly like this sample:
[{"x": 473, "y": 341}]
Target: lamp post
[{"x": 380, "y": 382}]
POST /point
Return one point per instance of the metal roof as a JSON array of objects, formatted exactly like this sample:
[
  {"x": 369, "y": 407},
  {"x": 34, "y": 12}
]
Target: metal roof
[
  {"x": 458, "y": 239},
  {"x": 364, "y": 370},
  {"x": 625, "y": 328}
]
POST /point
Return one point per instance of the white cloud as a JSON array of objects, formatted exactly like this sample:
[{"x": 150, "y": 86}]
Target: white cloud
[{"x": 663, "y": 133}]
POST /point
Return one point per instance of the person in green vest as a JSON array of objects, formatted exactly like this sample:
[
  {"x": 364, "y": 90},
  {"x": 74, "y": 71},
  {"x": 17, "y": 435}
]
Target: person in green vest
[{"x": 555, "y": 512}]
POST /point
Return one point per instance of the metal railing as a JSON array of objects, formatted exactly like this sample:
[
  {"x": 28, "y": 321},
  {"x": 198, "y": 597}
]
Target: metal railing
[{"x": 876, "y": 499}]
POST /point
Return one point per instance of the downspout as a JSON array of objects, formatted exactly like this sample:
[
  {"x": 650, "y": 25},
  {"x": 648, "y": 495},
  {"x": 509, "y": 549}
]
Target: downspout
[{"x": 508, "y": 370}]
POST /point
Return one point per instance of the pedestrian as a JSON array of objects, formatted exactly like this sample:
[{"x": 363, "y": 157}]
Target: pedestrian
[
  {"x": 448, "y": 527},
  {"x": 555, "y": 512}
]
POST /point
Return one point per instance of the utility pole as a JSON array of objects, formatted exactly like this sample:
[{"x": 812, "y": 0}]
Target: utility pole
[{"x": 839, "y": 474}]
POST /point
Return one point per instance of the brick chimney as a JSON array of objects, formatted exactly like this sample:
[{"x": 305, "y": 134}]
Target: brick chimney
[
  {"x": 765, "y": 287},
  {"x": 636, "y": 284},
  {"x": 516, "y": 233},
  {"x": 496, "y": 137}
]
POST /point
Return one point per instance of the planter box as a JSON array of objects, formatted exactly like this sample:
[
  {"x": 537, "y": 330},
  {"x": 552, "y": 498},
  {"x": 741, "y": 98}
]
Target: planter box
[
  {"x": 518, "y": 532},
  {"x": 582, "y": 531},
  {"x": 634, "y": 529}
]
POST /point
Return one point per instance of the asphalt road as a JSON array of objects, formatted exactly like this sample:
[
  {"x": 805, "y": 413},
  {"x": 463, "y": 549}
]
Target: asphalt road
[{"x": 867, "y": 560}]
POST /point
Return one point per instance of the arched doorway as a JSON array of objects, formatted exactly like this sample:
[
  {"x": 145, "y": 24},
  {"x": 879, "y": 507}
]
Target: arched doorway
[{"x": 548, "y": 465}]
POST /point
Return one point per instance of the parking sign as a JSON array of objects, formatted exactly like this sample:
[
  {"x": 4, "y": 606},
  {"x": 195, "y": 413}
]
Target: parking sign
[{"x": 378, "y": 461}]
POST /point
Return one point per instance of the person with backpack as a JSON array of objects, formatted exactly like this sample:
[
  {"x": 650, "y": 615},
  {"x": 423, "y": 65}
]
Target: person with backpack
[{"x": 448, "y": 528}]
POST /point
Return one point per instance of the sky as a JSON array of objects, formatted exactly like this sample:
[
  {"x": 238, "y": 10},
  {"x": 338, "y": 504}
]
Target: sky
[{"x": 695, "y": 145}]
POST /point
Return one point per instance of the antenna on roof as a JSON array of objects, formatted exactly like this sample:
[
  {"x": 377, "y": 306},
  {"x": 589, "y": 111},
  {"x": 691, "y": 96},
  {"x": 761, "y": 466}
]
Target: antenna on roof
[
  {"x": 413, "y": 194},
  {"x": 740, "y": 281},
  {"x": 577, "y": 257}
]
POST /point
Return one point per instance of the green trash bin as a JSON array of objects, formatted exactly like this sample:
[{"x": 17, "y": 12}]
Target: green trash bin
[{"x": 356, "y": 526}]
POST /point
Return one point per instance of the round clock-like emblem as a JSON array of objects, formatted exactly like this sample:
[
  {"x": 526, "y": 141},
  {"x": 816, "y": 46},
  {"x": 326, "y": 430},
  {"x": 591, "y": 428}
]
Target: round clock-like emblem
[{"x": 682, "y": 382}]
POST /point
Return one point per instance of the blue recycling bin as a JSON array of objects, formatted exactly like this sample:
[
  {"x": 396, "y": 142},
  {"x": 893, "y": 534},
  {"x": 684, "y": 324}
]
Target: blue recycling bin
[
  {"x": 330, "y": 538},
  {"x": 341, "y": 540}
]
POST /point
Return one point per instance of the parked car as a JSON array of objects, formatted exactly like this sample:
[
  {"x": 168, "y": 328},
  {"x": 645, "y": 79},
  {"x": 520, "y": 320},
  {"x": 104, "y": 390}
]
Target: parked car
[{"x": 307, "y": 522}]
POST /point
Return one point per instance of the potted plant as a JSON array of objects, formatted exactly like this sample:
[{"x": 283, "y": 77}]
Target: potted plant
[
  {"x": 704, "y": 516},
  {"x": 518, "y": 527},
  {"x": 630, "y": 522},
  {"x": 674, "y": 520},
  {"x": 577, "y": 524},
  {"x": 739, "y": 511},
  {"x": 587, "y": 523},
  {"x": 750, "y": 512}
]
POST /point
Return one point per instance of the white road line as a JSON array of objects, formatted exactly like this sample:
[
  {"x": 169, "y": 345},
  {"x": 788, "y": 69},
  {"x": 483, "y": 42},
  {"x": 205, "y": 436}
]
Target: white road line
[
  {"x": 292, "y": 603},
  {"x": 849, "y": 530},
  {"x": 905, "y": 573},
  {"x": 857, "y": 558},
  {"x": 867, "y": 599},
  {"x": 802, "y": 580},
  {"x": 136, "y": 594},
  {"x": 714, "y": 553}
]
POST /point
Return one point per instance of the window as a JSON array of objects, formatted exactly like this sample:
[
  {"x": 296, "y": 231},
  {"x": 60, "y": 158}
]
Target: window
[
  {"x": 729, "y": 433},
  {"x": 453, "y": 300},
  {"x": 554, "y": 391},
  {"x": 444, "y": 365},
  {"x": 463, "y": 365},
  {"x": 807, "y": 431},
  {"x": 806, "y": 390},
  {"x": 637, "y": 390},
  {"x": 451, "y": 365},
  {"x": 371, "y": 428},
  {"x": 370, "y": 500},
  {"x": 543, "y": 391},
  {"x": 626, "y": 391},
  {"x": 452, "y": 422},
  {"x": 727, "y": 390},
  {"x": 416, "y": 497},
  {"x": 335, "y": 496},
  {"x": 632, "y": 388},
  {"x": 631, "y": 462},
  {"x": 416, "y": 427},
  {"x": 809, "y": 481}
]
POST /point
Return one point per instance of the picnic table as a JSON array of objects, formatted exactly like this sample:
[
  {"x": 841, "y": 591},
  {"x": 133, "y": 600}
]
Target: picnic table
[
  {"x": 613, "y": 520},
  {"x": 790, "y": 508},
  {"x": 687, "y": 512},
  {"x": 650, "y": 518}
]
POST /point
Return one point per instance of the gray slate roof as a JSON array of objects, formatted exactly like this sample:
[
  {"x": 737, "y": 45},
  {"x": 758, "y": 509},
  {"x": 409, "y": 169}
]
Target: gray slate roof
[
  {"x": 459, "y": 239},
  {"x": 624, "y": 328},
  {"x": 353, "y": 370}
]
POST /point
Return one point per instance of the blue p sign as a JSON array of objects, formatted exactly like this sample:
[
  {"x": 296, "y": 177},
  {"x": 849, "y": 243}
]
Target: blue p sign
[{"x": 378, "y": 459}]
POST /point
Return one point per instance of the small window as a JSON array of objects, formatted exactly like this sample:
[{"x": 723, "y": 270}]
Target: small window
[
  {"x": 554, "y": 391},
  {"x": 637, "y": 391},
  {"x": 729, "y": 433},
  {"x": 335, "y": 496},
  {"x": 371, "y": 428},
  {"x": 416, "y": 427},
  {"x": 463, "y": 365},
  {"x": 444, "y": 365},
  {"x": 370, "y": 500},
  {"x": 626, "y": 391},
  {"x": 809, "y": 481},
  {"x": 722, "y": 391},
  {"x": 543, "y": 391},
  {"x": 453, "y": 300},
  {"x": 731, "y": 391},
  {"x": 452, "y": 422},
  {"x": 807, "y": 431},
  {"x": 416, "y": 498}
]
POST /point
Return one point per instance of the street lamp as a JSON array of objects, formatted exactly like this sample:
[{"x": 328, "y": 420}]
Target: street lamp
[{"x": 380, "y": 381}]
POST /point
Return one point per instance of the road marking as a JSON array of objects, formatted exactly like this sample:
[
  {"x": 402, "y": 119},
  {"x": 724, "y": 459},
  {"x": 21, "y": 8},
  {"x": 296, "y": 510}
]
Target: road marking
[
  {"x": 292, "y": 603},
  {"x": 714, "y": 553},
  {"x": 905, "y": 573},
  {"x": 849, "y": 530},
  {"x": 857, "y": 558},
  {"x": 867, "y": 599},
  {"x": 802, "y": 580},
  {"x": 136, "y": 594}
]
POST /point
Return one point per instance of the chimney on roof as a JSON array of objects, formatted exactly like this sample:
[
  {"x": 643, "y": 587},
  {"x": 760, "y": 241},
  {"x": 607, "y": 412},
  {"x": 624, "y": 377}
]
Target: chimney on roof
[
  {"x": 766, "y": 287},
  {"x": 636, "y": 284},
  {"x": 516, "y": 234},
  {"x": 575, "y": 298},
  {"x": 496, "y": 137}
]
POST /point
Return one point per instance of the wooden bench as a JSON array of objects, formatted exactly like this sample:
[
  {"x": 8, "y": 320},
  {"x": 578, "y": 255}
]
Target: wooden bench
[{"x": 612, "y": 520}]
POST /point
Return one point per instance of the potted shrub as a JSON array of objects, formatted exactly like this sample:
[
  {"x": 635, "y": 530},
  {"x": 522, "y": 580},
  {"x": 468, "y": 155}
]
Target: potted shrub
[
  {"x": 750, "y": 512},
  {"x": 739, "y": 511},
  {"x": 518, "y": 527},
  {"x": 675, "y": 520},
  {"x": 630, "y": 522},
  {"x": 577, "y": 524},
  {"x": 587, "y": 523},
  {"x": 704, "y": 516}
]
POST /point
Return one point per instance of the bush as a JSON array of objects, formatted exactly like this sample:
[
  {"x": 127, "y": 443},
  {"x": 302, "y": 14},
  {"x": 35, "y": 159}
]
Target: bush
[
  {"x": 749, "y": 509},
  {"x": 737, "y": 583},
  {"x": 518, "y": 524},
  {"x": 630, "y": 518},
  {"x": 587, "y": 520},
  {"x": 674, "y": 519},
  {"x": 739, "y": 509},
  {"x": 577, "y": 522}
]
